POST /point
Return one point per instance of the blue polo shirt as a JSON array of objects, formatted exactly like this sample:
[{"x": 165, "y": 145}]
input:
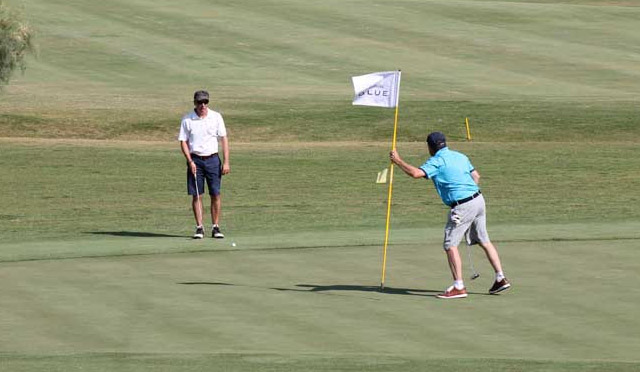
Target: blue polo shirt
[{"x": 450, "y": 172}]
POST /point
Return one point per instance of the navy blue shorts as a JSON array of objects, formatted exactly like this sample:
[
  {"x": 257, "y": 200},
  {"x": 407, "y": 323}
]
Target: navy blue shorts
[{"x": 209, "y": 169}]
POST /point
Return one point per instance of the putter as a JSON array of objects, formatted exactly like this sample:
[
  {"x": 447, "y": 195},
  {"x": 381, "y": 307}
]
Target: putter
[
  {"x": 195, "y": 178},
  {"x": 475, "y": 273}
]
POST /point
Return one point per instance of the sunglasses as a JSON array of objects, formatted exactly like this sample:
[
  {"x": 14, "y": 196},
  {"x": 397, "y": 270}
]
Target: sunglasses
[{"x": 205, "y": 102}]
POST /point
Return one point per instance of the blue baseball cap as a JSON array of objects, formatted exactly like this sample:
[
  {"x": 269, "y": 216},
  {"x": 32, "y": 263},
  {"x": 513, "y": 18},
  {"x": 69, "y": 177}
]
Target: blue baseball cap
[{"x": 436, "y": 140}]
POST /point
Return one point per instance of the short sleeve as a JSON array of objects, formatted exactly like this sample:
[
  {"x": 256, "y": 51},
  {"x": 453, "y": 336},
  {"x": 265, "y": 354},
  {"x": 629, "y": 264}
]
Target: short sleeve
[
  {"x": 184, "y": 132},
  {"x": 222, "y": 130},
  {"x": 470, "y": 167},
  {"x": 429, "y": 168}
]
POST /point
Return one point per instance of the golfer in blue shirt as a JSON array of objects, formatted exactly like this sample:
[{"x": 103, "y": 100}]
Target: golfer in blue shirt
[{"x": 456, "y": 181}]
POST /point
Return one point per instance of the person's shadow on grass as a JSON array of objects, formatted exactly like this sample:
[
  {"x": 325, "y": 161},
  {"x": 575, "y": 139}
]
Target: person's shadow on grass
[
  {"x": 135, "y": 234},
  {"x": 315, "y": 288},
  {"x": 361, "y": 288},
  {"x": 368, "y": 288}
]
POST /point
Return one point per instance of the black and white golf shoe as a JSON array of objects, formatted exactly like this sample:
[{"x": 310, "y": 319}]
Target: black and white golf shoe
[
  {"x": 215, "y": 232},
  {"x": 199, "y": 234}
]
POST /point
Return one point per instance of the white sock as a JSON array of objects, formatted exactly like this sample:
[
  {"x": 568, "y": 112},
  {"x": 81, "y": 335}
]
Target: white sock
[
  {"x": 499, "y": 276},
  {"x": 458, "y": 284}
]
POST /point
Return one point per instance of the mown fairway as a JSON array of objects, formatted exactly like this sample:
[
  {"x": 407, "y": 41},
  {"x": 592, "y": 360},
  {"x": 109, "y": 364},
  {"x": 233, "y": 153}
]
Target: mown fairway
[
  {"x": 97, "y": 268},
  {"x": 280, "y": 69}
]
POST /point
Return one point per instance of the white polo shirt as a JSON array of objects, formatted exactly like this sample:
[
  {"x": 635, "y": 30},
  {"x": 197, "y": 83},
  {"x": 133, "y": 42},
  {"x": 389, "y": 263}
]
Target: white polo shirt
[{"x": 201, "y": 134}]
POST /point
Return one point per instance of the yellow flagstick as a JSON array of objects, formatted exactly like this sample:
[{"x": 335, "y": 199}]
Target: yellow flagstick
[
  {"x": 466, "y": 120},
  {"x": 386, "y": 232}
]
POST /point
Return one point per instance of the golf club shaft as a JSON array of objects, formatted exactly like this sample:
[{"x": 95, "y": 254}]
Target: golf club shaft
[
  {"x": 475, "y": 274},
  {"x": 200, "y": 211}
]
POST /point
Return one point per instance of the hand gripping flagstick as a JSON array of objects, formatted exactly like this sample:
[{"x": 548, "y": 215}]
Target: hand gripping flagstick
[{"x": 381, "y": 89}]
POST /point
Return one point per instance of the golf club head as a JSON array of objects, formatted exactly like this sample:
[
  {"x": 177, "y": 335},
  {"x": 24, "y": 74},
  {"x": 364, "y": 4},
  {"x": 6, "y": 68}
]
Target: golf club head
[{"x": 475, "y": 276}]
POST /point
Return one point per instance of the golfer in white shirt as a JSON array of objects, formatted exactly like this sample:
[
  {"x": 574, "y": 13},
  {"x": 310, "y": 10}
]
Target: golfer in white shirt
[{"x": 202, "y": 132}]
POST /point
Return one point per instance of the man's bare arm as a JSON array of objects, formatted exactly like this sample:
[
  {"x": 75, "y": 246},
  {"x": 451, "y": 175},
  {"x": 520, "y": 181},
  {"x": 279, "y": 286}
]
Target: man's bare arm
[{"x": 409, "y": 169}]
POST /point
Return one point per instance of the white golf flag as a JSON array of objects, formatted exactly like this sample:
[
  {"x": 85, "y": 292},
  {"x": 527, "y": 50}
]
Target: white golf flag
[{"x": 379, "y": 89}]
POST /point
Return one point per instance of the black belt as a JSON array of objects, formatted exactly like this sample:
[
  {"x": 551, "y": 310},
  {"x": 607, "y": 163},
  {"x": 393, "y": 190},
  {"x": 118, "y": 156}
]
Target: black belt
[
  {"x": 462, "y": 201},
  {"x": 204, "y": 157}
]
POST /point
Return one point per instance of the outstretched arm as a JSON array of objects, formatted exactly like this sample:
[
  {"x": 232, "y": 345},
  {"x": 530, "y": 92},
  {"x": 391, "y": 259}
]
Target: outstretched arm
[{"x": 409, "y": 169}]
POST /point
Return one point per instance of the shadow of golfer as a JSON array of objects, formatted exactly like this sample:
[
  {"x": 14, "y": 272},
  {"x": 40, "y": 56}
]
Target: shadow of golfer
[
  {"x": 326, "y": 289},
  {"x": 207, "y": 283},
  {"x": 361, "y": 288},
  {"x": 135, "y": 234}
]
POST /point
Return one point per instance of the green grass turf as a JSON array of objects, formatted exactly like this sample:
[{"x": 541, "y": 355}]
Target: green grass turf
[
  {"x": 95, "y": 244},
  {"x": 281, "y": 69},
  {"x": 66, "y": 190},
  {"x": 97, "y": 268},
  {"x": 319, "y": 309}
]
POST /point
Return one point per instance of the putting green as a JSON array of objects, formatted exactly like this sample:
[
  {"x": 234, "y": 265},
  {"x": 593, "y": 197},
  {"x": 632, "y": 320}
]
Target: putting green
[{"x": 311, "y": 300}]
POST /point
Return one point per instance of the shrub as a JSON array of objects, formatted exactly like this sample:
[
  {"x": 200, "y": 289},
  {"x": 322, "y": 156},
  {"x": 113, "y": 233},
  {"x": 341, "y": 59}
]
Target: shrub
[{"x": 16, "y": 40}]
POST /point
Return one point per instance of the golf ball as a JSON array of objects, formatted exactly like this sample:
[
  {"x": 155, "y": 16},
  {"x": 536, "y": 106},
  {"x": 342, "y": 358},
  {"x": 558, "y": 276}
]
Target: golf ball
[{"x": 233, "y": 244}]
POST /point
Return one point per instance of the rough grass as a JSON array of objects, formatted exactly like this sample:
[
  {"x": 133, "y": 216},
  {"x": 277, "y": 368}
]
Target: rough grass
[{"x": 63, "y": 189}]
